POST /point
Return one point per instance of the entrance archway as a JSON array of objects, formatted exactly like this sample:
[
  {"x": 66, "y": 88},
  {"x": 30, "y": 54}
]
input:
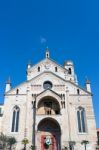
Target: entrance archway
[{"x": 50, "y": 134}]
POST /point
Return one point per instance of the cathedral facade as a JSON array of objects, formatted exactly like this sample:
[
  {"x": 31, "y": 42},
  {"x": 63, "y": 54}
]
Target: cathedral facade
[{"x": 50, "y": 109}]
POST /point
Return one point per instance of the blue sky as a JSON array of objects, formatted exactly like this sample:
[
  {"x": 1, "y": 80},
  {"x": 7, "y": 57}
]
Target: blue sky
[{"x": 69, "y": 28}]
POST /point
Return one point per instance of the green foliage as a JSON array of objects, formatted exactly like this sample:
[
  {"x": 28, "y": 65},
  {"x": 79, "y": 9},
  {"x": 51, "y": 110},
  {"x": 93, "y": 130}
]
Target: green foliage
[
  {"x": 3, "y": 141},
  {"x": 85, "y": 142},
  {"x": 32, "y": 147},
  {"x": 7, "y": 142},
  {"x": 25, "y": 141},
  {"x": 72, "y": 142},
  {"x": 11, "y": 142}
]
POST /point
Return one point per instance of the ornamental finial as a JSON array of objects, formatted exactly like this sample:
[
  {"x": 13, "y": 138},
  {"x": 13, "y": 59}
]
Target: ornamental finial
[{"x": 47, "y": 52}]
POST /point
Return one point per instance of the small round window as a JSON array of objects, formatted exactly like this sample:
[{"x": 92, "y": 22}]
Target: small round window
[{"x": 47, "y": 85}]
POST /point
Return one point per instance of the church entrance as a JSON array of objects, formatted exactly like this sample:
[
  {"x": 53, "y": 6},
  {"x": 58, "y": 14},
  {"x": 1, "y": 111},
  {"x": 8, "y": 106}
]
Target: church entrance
[{"x": 50, "y": 135}]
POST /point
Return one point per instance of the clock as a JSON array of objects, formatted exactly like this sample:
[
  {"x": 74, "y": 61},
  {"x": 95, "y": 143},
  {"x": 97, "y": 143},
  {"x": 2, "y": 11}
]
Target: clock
[{"x": 47, "y": 66}]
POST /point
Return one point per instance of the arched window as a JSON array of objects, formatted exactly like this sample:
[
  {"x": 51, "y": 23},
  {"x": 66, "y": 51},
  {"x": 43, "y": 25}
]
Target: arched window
[
  {"x": 55, "y": 69},
  {"x": 69, "y": 71},
  {"x": 78, "y": 91},
  {"x": 15, "y": 119},
  {"x": 81, "y": 119},
  {"x": 38, "y": 69},
  {"x": 17, "y": 91},
  {"x": 47, "y": 55},
  {"x": 47, "y": 85}
]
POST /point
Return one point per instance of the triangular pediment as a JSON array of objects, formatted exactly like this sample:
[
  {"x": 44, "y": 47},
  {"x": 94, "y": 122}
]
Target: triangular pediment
[
  {"x": 47, "y": 62},
  {"x": 58, "y": 82},
  {"x": 48, "y": 92},
  {"x": 45, "y": 65},
  {"x": 36, "y": 83}
]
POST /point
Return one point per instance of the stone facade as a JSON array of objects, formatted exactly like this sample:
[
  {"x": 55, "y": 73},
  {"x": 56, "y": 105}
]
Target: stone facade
[{"x": 48, "y": 103}]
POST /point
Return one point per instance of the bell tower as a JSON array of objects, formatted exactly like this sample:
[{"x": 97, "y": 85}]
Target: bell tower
[
  {"x": 87, "y": 84},
  {"x": 47, "y": 53},
  {"x": 8, "y": 85}
]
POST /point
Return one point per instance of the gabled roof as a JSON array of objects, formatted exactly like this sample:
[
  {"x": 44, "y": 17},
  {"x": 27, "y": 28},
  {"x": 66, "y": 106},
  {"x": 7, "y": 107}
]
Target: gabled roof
[
  {"x": 54, "y": 75},
  {"x": 51, "y": 60},
  {"x": 63, "y": 80},
  {"x": 49, "y": 90},
  {"x": 51, "y": 73}
]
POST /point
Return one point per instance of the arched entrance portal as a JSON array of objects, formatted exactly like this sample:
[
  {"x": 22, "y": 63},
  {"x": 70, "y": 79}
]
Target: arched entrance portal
[{"x": 50, "y": 134}]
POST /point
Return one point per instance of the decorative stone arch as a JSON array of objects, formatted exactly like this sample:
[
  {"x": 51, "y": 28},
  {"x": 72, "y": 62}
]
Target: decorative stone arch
[
  {"x": 48, "y": 106},
  {"x": 49, "y": 130},
  {"x": 50, "y": 119},
  {"x": 48, "y": 93}
]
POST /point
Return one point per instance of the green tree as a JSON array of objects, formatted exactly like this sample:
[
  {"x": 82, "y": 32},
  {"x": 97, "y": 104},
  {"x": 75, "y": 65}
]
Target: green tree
[
  {"x": 32, "y": 147},
  {"x": 71, "y": 144},
  {"x": 25, "y": 142},
  {"x": 11, "y": 142},
  {"x": 3, "y": 141},
  {"x": 84, "y": 142}
]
